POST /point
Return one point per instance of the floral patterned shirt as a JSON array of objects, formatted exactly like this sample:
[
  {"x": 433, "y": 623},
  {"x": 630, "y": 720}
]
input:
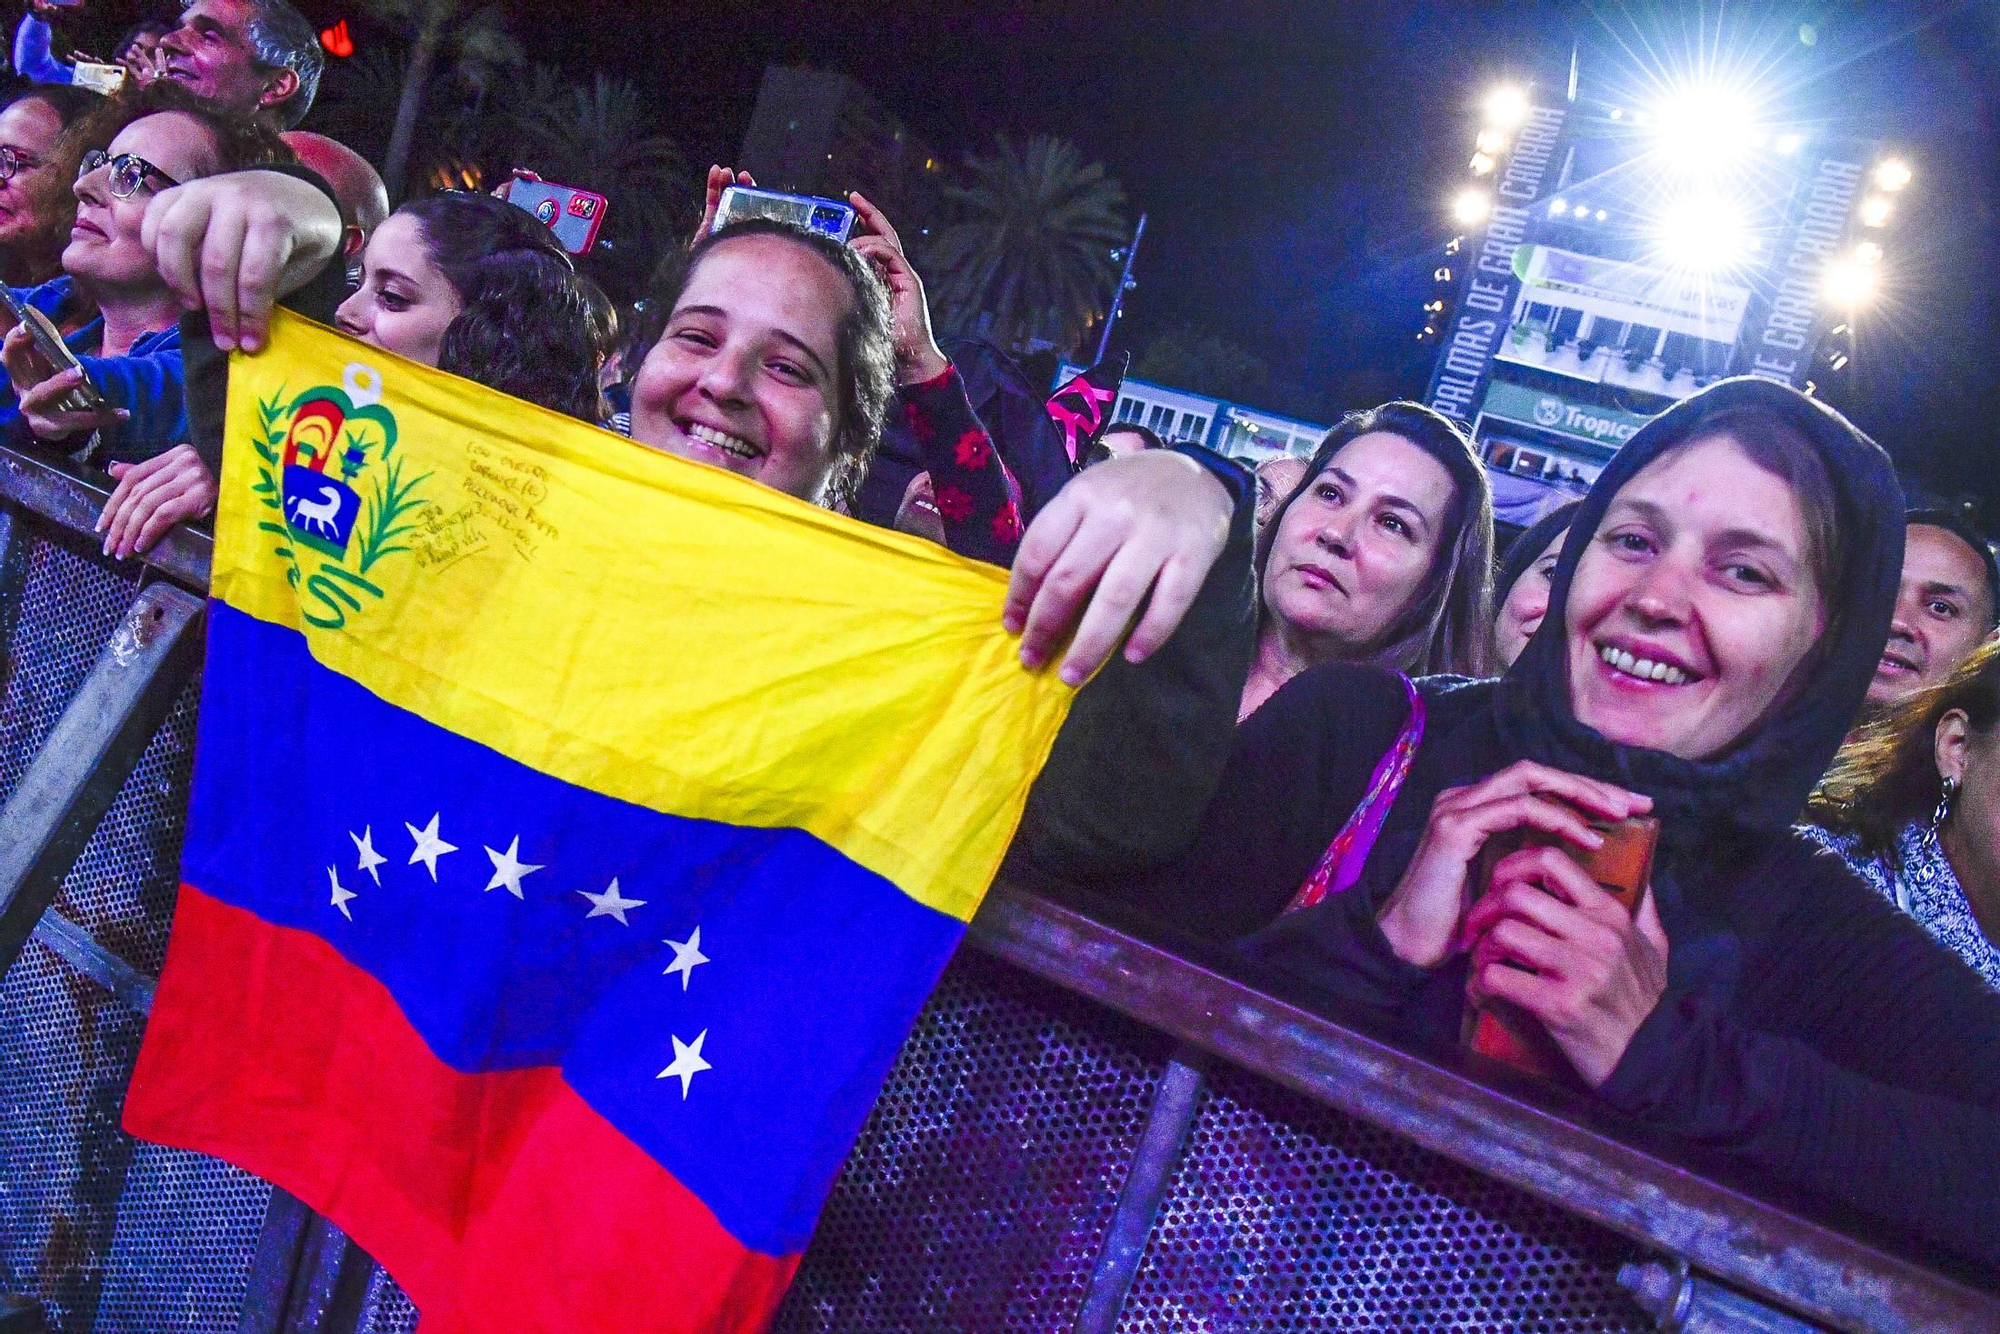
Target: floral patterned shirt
[
  {"x": 1926, "y": 888},
  {"x": 977, "y": 497}
]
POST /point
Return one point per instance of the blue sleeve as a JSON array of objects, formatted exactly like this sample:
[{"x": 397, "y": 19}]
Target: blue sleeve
[
  {"x": 149, "y": 386},
  {"x": 32, "y": 58}
]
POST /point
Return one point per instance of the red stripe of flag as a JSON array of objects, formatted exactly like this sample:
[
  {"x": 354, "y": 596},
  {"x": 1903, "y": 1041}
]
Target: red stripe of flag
[{"x": 437, "y": 1174}]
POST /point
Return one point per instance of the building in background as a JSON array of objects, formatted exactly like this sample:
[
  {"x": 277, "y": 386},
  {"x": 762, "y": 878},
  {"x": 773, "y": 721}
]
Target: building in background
[
  {"x": 817, "y": 132},
  {"x": 1619, "y": 255},
  {"x": 1234, "y": 429}
]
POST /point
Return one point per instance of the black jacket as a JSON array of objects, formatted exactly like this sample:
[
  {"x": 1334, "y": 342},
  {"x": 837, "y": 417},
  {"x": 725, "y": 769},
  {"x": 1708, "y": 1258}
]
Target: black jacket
[{"x": 1809, "y": 1035}]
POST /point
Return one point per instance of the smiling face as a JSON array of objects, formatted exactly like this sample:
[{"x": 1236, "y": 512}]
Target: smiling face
[
  {"x": 105, "y": 247},
  {"x": 210, "y": 53},
  {"x": 1527, "y": 603},
  {"x": 33, "y": 201},
  {"x": 1355, "y": 547},
  {"x": 405, "y": 303},
  {"x": 1943, "y": 610},
  {"x": 746, "y": 376},
  {"x": 1694, "y": 604}
]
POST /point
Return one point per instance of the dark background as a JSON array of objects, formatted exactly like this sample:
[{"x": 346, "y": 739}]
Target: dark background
[{"x": 1296, "y": 160}]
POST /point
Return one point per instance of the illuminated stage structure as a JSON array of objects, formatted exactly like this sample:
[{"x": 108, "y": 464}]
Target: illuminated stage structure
[{"x": 1617, "y": 256}]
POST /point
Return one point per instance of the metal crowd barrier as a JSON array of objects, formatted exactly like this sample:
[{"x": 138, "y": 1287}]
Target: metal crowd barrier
[{"x": 1084, "y": 1133}]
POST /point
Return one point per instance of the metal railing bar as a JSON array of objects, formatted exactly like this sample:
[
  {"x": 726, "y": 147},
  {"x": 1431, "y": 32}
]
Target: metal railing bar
[
  {"x": 1788, "y": 1261},
  {"x": 80, "y": 950},
  {"x": 54, "y": 493},
  {"x": 90, "y": 752}
]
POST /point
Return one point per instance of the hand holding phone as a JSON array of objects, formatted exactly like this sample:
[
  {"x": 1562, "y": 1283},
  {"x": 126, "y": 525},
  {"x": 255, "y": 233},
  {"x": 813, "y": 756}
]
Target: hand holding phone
[
  {"x": 1621, "y": 868},
  {"x": 575, "y": 216},
  {"x": 55, "y": 395}
]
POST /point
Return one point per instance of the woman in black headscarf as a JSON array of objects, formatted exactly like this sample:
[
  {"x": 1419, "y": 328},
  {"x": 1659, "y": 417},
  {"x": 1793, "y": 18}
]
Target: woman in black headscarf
[{"x": 1716, "y": 617}]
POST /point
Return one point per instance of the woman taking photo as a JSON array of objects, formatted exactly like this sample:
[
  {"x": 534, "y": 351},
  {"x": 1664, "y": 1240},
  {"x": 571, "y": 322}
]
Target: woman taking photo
[
  {"x": 1383, "y": 555},
  {"x": 1716, "y": 615},
  {"x": 1913, "y": 805}
]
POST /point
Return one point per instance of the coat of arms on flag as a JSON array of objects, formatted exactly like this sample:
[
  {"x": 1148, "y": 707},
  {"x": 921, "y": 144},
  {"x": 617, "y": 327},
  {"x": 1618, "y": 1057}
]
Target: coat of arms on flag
[{"x": 626, "y": 862}]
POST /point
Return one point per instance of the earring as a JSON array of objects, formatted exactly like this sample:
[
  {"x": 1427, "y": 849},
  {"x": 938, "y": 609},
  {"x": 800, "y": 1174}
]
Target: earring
[{"x": 1943, "y": 811}]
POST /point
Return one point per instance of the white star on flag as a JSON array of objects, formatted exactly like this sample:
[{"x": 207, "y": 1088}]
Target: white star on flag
[
  {"x": 508, "y": 869},
  {"x": 364, "y": 843},
  {"x": 687, "y": 955},
  {"x": 340, "y": 895},
  {"x": 429, "y": 846},
  {"x": 687, "y": 1061},
  {"x": 610, "y": 903}
]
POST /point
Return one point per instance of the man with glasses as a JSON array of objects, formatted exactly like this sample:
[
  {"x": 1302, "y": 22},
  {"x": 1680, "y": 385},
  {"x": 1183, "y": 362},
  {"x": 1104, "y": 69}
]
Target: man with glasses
[{"x": 252, "y": 56}]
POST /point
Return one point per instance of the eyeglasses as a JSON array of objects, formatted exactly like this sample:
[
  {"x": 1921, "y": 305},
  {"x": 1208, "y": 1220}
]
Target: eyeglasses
[
  {"x": 128, "y": 171},
  {"x": 13, "y": 161}
]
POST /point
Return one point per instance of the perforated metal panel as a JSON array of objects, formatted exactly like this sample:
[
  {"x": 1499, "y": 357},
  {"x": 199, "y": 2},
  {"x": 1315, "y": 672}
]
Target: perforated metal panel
[
  {"x": 112, "y": 1235},
  {"x": 978, "y": 1195},
  {"x": 1289, "y": 1216}
]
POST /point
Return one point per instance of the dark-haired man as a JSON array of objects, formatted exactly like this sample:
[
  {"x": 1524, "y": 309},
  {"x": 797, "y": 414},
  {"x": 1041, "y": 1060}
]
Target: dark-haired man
[
  {"x": 254, "y": 56},
  {"x": 1949, "y": 602}
]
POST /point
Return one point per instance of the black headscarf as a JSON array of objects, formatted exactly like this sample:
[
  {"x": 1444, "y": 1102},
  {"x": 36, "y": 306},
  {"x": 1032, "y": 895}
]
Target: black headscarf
[{"x": 1761, "y": 784}]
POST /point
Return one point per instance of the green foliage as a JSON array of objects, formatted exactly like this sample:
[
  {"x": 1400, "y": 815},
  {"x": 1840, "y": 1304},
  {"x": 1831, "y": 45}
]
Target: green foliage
[{"x": 1030, "y": 259}]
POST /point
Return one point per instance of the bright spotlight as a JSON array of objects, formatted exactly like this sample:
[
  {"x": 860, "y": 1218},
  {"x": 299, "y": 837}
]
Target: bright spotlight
[
  {"x": 1481, "y": 164},
  {"x": 1471, "y": 206},
  {"x": 1875, "y": 211},
  {"x": 1849, "y": 284},
  {"x": 1558, "y": 207},
  {"x": 1892, "y": 175},
  {"x": 1704, "y": 130},
  {"x": 1507, "y": 106},
  {"x": 1868, "y": 253},
  {"x": 1490, "y": 141},
  {"x": 1788, "y": 144},
  {"x": 1703, "y": 235}
]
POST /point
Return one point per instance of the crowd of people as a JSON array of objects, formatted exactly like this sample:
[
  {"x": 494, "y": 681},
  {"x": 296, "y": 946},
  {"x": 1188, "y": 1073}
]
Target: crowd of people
[{"x": 1331, "y": 697}]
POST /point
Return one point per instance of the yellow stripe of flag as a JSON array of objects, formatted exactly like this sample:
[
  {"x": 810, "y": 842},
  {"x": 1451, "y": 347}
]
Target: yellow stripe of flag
[{"x": 635, "y": 624}]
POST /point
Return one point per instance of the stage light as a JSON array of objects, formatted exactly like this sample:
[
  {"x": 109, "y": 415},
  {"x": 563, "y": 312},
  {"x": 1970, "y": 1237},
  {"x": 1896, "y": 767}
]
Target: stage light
[
  {"x": 1702, "y": 234},
  {"x": 1490, "y": 141},
  {"x": 1558, "y": 207},
  {"x": 1892, "y": 175},
  {"x": 1868, "y": 253},
  {"x": 1443, "y": 274},
  {"x": 1481, "y": 163},
  {"x": 1703, "y": 130},
  {"x": 1875, "y": 211},
  {"x": 1507, "y": 106},
  {"x": 1618, "y": 113},
  {"x": 1602, "y": 215},
  {"x": 1472, "y": 206},
  {"x": 1788, "y": 144},
  {"x": 1849, "y": 284}
]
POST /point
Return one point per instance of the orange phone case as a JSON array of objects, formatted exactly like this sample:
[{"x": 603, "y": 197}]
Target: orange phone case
[{"x": 1503, "y": 1032}]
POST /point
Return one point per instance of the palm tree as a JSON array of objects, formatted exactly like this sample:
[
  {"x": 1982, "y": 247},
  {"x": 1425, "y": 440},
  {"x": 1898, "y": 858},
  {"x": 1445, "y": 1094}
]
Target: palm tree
[
  {"x": 477, "y": 42},
  {"x": 600, "y": 137},
  {"x": 1030, "y": 259}
]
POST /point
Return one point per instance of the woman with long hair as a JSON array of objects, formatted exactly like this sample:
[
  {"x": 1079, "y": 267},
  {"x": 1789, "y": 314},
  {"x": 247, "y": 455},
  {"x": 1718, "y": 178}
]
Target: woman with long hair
[
  {"x": 1382, "y": 555},
  {"x": 1715, "y": 617},
  {"x": 1912, "y": 803}
]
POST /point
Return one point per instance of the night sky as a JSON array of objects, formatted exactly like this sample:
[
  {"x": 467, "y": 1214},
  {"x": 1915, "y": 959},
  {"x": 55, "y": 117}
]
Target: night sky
[{"x": 1295, "y": 159}]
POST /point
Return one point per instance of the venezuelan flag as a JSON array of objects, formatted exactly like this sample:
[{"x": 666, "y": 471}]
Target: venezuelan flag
[{"x": 576, "y": 832}]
